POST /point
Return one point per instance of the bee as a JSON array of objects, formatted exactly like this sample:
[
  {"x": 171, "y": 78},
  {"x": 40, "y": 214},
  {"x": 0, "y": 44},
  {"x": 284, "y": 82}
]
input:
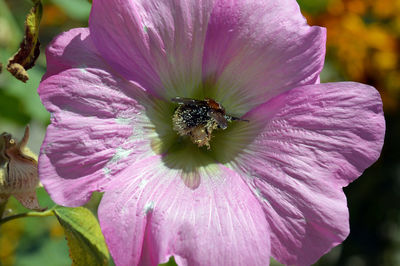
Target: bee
[{"x": 199, "y": 118}]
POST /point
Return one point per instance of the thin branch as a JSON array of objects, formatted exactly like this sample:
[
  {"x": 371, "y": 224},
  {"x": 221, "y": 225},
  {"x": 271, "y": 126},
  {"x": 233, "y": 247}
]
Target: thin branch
[{"x": 27, "y": 214}]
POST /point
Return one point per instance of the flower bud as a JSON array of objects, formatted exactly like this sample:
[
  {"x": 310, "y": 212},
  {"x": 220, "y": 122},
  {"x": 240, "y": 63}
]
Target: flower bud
[{"x": 18, "y": 171}]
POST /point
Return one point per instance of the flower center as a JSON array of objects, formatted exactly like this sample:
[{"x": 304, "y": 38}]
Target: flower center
[{"x": 199, "y": 118}]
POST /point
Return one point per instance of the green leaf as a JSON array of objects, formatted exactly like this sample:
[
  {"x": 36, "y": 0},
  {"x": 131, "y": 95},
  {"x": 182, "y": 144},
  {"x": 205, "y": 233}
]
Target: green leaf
[
  {"x": 85, "y": 240},
  {"x": 171, "y": 262},
  {"x": 29, "y": 51}
]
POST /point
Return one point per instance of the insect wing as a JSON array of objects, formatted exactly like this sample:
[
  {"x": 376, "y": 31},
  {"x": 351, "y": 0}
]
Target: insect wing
[
  {"x": 220, "y": 118},
  {"x": 233, "y": 118}
]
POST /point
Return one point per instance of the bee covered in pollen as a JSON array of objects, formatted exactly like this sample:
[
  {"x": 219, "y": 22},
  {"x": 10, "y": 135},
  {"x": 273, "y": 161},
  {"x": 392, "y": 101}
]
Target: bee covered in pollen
[{"x": 199, "y": 118}]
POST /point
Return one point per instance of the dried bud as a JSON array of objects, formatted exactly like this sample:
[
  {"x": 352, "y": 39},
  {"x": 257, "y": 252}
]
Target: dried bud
[
  {"x": 18, "y": 171},
  {"x": 29, "y": 50}
]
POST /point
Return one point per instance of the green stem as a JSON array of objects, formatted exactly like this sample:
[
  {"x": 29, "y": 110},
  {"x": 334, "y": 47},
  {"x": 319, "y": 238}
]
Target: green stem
[{"x": 27, "y": 214}]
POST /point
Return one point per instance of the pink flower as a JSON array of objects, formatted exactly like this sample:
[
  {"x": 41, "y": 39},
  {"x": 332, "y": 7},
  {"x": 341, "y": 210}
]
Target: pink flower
[{"x": 270, "y": 186}]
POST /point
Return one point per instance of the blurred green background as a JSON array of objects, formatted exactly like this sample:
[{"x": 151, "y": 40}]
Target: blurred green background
[{"x": 363, "y": 45}]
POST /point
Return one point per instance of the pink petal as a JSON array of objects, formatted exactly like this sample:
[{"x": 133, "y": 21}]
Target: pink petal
[
  {"x": 312, "y": 141},
  {"x": 71, "y": 49},
  {"x": 155, "y": 43},
  {"x": 245, "y": 52},
  {"x": 152, "y": 215},
  {"x": 256, "y": 49},
  {"x": 97, "y": 125}
]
